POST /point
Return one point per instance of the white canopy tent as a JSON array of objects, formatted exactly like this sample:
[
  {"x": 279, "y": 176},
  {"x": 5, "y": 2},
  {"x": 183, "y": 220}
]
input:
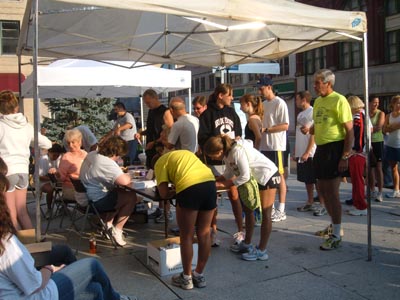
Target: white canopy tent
[
  {"x": 206, "y": 33},
  {"x": 74, "y": 78}
]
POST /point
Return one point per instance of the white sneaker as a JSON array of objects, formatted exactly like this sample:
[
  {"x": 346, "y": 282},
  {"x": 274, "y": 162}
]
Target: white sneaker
[
  {"x": 238, "y": 238},
  {"x": 161, "y": 219},
  {"x": 379, "y": 197},
  {"x": 374, "y": 194},
  {"x": 357, "y": 212},
  {"x": 395, "y": 194},
  {"x": 126, "y": 297},
  {"x": 279, "y": 216},
  {"x": 215, "y": 242},
  {"x": 118, "y": 237}
]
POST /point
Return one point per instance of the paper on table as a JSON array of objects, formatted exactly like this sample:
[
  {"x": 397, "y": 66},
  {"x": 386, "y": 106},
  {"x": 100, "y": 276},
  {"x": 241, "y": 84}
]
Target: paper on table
[{"x": 144, "y": 184}]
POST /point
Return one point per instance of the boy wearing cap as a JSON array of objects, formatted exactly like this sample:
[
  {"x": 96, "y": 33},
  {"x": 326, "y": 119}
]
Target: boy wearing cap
[
  {"x": 273, "y": 139},
  {"x": 48, "y": 164}
]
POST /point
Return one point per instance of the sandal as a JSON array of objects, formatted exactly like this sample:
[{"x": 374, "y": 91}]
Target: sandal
[{"x": 307, "y": 207}]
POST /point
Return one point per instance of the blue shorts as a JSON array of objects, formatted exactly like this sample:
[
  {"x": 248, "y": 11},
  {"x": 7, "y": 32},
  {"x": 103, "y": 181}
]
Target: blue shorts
[
  {"x": 108, "y": 202},
  {"x": 392, "y": 154}
]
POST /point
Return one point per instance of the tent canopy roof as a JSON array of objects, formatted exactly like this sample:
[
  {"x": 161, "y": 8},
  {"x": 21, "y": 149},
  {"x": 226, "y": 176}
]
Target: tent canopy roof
[
  {"x": 73, "y": 78},
  {"x": 206, "y": 33}
]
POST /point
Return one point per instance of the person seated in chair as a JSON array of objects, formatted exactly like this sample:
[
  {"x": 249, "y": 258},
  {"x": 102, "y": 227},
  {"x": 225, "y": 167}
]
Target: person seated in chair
[
  {"x": 48, "y": 164},
  {"x": 101, "y": 175}
]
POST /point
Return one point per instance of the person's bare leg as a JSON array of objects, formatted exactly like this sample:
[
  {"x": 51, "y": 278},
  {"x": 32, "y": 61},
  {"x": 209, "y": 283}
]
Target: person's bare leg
[
  {"x": 379, "y": 176},
  {"x": 48, "y": 189},
  {"x": 329, "y": 189},
  {"x": 236, "y": 207},
  {"x": 204, "y": 218},
  {"x": 395, "y": 175},
  {"x": 125, "y": 204},
  {"x": 22, "y": 212},
  {"x": 310, "y": 193},
  {"x": 12, "y": 208},
  {"x": 186, "y": 219},
  {"x": 267, "y": 199},
  {"x": 282, "y": 190},
  {"x": 249, "y": 221}
]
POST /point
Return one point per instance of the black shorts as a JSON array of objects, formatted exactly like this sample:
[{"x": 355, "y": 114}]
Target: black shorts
[
  {"x": 277, "y": 157},
  {"x": 273, "y": 182},
  {"x": 202, "y": 196},
  {"x": 326, "y": 160},
  {"x": 377, "y": 149},
  {"x": 305, "y": 171},
  {"x": 108, "y": 202}
]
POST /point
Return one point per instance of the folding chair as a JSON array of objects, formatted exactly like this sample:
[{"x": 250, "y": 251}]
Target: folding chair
[
  {"x": 60, "y": 204},
  {"x": 91, "y": 208}
]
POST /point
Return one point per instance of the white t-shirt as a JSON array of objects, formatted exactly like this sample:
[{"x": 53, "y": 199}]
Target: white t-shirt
[
  {"x": 304, "y": 118},
  {"x": 127, "y": 134},
  {"x": 243, "y": 157},
  {"x": 45, "y": 164},
  {"x": 98, "y": 174},
  {"x": 275, "y": 113},
  {"x": 18, "y": 275},
  {"x": 183, "y": 133}
]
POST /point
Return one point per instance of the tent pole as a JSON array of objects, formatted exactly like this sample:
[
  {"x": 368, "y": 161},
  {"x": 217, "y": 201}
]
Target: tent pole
[
  {"x": 21, "y": 100},
  {"x": 190, "y": 100},
  {"x": 367, "y": 142},
  {"x": 36, "y": 117},
  {"x": 142, "y": 120}
]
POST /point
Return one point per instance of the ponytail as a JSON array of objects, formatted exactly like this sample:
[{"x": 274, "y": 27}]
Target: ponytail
[{"x": 217, "y": 143}]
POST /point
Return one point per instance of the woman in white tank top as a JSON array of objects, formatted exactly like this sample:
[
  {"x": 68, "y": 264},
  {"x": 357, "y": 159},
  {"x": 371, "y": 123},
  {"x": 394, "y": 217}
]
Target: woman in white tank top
[{"x": 391, "y": 128}]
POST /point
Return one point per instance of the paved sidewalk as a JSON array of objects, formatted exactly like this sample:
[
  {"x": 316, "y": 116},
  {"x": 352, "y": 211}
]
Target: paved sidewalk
[{"x": 296, "y": 269}]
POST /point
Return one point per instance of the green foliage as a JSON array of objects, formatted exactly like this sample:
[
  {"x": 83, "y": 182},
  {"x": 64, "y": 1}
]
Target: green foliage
[{"x": 69, "y": 113}]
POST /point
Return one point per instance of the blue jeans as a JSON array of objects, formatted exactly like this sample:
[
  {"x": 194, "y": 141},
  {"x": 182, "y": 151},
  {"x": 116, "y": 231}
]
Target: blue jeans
[
  {"x": 132, "y": 150},
  {"x": 84, "y": 279}
]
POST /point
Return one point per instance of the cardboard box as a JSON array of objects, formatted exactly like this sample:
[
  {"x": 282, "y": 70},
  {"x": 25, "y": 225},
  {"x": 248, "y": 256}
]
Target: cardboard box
[
  {"x": 39, "y": 251},
  {"x": 165, "y": 260},
  {"x": 27, "y": 236}
]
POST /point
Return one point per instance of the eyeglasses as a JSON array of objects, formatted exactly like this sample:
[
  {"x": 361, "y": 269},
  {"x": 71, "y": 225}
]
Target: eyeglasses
[{"x": 197, "y": 107}]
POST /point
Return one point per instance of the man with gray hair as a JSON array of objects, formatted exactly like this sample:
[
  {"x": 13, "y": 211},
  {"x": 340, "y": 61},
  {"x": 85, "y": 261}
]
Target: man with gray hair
[
  {"x": 333, "y": 132},
  {"x": 183, "y": 134}
]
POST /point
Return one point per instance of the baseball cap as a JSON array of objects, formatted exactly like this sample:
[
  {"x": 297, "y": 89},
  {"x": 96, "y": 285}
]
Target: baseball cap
[{"x": 264, "y": 81}]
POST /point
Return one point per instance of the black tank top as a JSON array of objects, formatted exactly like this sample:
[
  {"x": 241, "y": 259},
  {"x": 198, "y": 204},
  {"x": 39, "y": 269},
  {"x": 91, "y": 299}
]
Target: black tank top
[{"x": 249, "y": 134}]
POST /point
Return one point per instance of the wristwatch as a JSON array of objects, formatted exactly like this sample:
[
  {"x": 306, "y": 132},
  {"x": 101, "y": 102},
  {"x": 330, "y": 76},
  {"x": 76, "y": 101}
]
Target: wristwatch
[{"x": 345, "y": 157}]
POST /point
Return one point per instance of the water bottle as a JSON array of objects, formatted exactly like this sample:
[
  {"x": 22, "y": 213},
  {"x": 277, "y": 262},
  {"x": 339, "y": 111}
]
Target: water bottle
[{"x": 92, "y": 244}]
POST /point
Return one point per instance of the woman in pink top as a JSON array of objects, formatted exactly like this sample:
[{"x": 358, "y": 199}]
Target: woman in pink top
[{"x": 70, "y": 164}]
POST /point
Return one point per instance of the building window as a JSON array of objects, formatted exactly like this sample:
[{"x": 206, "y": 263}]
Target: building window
[
  {"x": 9, "y": 34},
  {"x": 211, "y": 82},
  {"x": 350, "y": 55},
  {"x": 284, "y": 66},
  {"x": 202, "y": 84},
  {"x": 392, "y": 7},
  {"x": 197, "y": 85},
  {"x": 315, "y": 60},
  {"x": 393, "y": 47},
  {"x": 358, "y": 5}
]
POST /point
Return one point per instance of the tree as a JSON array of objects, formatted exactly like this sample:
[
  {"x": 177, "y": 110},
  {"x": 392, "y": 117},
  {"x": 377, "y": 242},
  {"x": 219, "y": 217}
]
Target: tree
[{"x": 68, "y": 113}]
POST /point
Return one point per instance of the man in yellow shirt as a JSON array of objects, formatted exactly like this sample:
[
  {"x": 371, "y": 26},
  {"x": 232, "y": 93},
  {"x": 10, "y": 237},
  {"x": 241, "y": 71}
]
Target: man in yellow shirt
[{"x": 333, "y": 130}]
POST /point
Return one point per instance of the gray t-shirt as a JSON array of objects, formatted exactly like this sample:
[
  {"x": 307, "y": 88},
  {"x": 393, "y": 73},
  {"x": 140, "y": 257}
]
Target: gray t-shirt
[
  {"x": 184, "y": 133},
  {"x": 98, "y": 174},
  {"x": 127, "y": 134}
]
